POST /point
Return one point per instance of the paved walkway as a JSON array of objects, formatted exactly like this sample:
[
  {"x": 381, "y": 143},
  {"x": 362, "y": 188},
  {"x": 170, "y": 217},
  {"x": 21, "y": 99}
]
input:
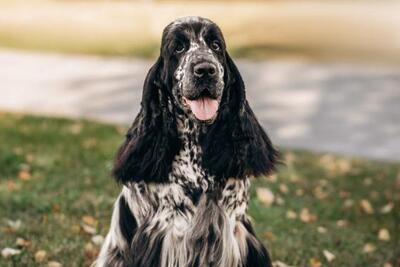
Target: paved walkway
[{"x": 348, "y": 109}]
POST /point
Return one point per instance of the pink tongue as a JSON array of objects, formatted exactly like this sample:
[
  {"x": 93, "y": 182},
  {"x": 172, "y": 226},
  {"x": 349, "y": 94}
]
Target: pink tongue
[{"x": 203, "y": 108}]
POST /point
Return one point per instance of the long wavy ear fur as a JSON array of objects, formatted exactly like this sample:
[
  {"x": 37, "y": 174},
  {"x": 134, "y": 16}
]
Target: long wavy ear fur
[
  {"x": 236, "y": 145},
  {"x": 152, "y": 141}
]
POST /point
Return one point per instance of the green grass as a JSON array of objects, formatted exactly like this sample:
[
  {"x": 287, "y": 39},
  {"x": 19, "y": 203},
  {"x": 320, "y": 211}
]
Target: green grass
[{"x": 53, "y": 172}]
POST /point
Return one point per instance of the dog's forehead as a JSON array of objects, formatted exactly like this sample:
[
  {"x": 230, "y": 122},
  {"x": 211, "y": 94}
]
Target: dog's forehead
[{"x": 192, "y": 27}]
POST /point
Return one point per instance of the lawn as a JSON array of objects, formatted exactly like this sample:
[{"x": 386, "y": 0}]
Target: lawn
[
  {"x": 56, "y": 197},
  {"x": 360, "y": 30}
]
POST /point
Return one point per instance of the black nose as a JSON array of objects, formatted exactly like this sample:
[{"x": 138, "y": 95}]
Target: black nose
[{"x": 204, "y": 69}]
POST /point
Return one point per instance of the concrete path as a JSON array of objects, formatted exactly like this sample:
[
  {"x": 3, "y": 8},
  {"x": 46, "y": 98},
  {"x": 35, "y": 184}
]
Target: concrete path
[{"x": 343, "y": 108}]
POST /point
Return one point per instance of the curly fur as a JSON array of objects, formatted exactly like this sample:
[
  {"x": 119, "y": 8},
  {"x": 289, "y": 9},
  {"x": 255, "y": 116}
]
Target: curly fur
[{"x": 185, "y": 183}]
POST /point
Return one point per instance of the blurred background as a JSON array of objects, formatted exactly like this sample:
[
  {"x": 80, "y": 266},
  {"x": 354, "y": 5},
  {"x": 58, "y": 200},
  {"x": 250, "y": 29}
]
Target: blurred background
[{"x": 323, "y": 77}]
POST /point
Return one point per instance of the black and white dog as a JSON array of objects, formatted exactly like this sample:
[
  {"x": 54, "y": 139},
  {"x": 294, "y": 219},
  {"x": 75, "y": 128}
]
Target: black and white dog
[{"x": 186, "y": 161}]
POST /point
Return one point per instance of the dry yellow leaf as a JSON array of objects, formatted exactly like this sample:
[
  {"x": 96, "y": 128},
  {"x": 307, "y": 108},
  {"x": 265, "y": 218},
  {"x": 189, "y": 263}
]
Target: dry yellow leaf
[
  {"x": 366, "y": 206},
  {"x": 387, "y": 264},
  {"x": 300, "y": 192},
  {"x": 342, "y": 223},
  {"x": 319, "y": 193},
  {"x": 89, "y": 220},
  {"x": 91, "y": 251},
  {"x": 322, "y": 230},
  {"x": 328, "y": 255},
  {"x": 89, "y": 229},
  {"x": 280, "y": 201},
  {"x": 20, "y": 242},
  {"x": 40, "y": 256},
  {"x": 387, "y": 208},
  {"x": 98, "y": 240},
  {"x": 283, "y": 188},
  {"x": 384, "y": 234},
  {"x": 369, "y": 248},
  {"x": 306, "y": 216},
  {"x": 9, "y": 252},
  {"x": 265, "y": 196},
  {"x": 314, "y": 262},
  {"x": 24, "y": 175},
  {"x": 290, "y": 214},
  {"x": 348, "y": 203},
  {"x": 54, "y": 264}
]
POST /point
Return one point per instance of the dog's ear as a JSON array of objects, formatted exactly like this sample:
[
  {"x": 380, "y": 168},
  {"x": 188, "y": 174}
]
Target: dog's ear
[
  {"x": 236, "y": 145},
  {"x": 152, "y": 141}
]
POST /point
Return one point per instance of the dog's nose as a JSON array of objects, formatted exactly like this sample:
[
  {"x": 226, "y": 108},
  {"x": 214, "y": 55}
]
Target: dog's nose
[{"x": 204, "y": 69}]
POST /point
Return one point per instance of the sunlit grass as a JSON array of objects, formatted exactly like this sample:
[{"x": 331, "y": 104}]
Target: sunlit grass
[
  {"x": 362, "y": 30},
  {"x": 55, "y": 181}
]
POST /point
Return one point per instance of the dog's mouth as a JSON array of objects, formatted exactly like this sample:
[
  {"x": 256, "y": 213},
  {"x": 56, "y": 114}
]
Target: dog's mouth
[{"x": 204, "y": 107}]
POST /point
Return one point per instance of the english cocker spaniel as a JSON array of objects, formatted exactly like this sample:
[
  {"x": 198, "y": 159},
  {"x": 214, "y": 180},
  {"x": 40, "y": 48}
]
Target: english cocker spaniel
[{"x": 187, "y": 160}]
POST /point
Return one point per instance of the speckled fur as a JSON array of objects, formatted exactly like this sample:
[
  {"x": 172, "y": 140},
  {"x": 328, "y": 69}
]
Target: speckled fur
[{"x": 183, "y": 214}]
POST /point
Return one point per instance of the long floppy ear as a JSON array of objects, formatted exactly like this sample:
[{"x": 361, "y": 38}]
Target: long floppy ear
[
  {"x": 236, "y": 145},
  {"x": 152, "y": 141}
]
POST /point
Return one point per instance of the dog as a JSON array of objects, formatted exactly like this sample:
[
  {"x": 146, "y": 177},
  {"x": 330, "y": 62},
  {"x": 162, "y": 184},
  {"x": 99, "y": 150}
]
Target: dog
[{"x": 187, "y": 160}]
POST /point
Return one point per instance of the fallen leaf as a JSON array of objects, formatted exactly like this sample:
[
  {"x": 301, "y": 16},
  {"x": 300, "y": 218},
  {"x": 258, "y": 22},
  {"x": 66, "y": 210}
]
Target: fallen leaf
[
  {"x": 280, "y": 201},
  {"x": 29, "y": 158},
  {"x": 328, "y": 255},
  {"x": 22, "y": 243},
  {"x": 306, "y": 216},
  {"x": 300, "y": 192},
  {"x": 342, "y": 223},
  {"x": 89, "y": 220},
  {"x": 387, "y": 208},
  {"x": 12, "y": 186},
  {"x": 322, "y": 230},
  {"x": 348, "y": 203},
  {"x": 14, "y": 225},
  {"x": 89, "y": 229},
  {"x": 290, "y": 214},
  {"x": 24, "y": 175},
  {"x": 98, "y": 240},
  {"x": 369, "y": 248},
  {"x": 283, "y": 188},
  {"x": 9, "y": 252},
  {"x": 387, "y": 264},
  {"x": 366, "y": 206},
  {"x": 40, "y": 255},
  {"x": 54, "y": 264},
  {"x": 91, "y": 251},
  {"x": 384, "y": 235},
  {"x": 265, "y": 196},
  {"x": 319, "y": 193},
  {"x": 314, "y": 262}
]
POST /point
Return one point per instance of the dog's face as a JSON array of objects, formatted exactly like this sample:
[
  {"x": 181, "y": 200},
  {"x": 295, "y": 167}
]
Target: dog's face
[{"x": 193, "y": 48}]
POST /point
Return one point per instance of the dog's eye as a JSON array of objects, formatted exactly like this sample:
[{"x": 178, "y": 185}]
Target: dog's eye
[
  {"x": 215, "y": 46},
  {"x": 179, "y": 48}
]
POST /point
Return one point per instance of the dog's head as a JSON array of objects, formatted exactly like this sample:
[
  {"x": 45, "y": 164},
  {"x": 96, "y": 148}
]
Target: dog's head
[
  {"x": 194, "y": 75},
  {"x": 193, "y": 50}
]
